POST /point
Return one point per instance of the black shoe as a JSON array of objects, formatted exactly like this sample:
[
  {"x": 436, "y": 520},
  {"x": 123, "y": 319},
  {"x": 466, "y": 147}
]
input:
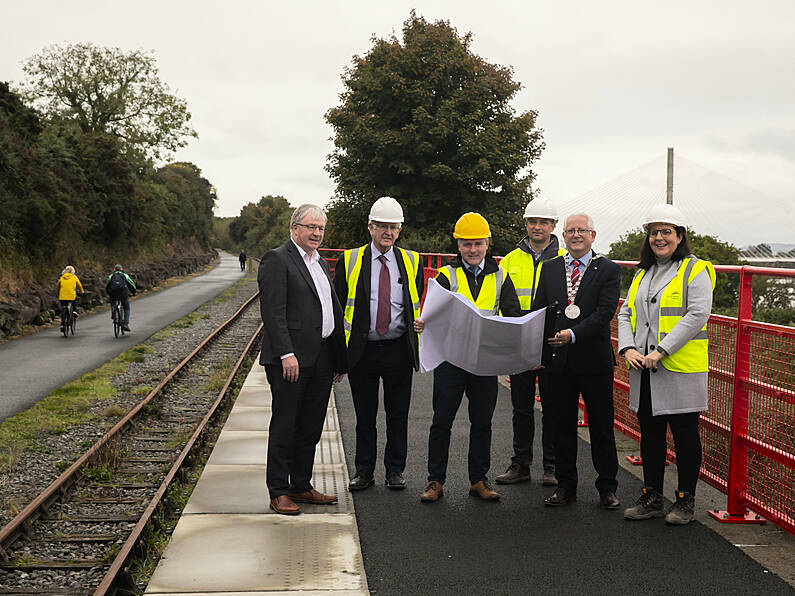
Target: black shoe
[
  {"x": 561, "y": 496},
  {"x": 360, "y": 482},
  {"x": 609, "y": 500},
  {"x": 126, "y": 328},
  {"x": 395, "y": 481}
]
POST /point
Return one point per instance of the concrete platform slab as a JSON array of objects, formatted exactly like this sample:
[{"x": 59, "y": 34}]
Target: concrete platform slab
[
  {"x": 242, "y": 489},
  {"x": 254, "y": 396},
  {"x": 248, "y": 418},
  {"x": 242, "y": 447},
  {"x": 261, "y": 552}
]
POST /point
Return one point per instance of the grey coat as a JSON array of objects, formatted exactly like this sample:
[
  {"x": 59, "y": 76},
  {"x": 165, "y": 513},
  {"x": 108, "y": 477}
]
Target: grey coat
[{"x": 671, "y": 392}]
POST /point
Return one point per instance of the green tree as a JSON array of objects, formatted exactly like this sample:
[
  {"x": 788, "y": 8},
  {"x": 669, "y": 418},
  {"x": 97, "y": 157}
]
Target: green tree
[
  {"x": 726, "y": 294},
  {"x": 428, "y": 122},
  {"x": 107, "y": 90},
  {"x": 262, "y": 225}
]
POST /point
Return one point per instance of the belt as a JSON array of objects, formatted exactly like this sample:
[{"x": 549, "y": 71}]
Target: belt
[{"x": 384, "y": 342}]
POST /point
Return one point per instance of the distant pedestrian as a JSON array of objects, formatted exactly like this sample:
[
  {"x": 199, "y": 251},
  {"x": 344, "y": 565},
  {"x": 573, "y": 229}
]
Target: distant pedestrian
[
  {"x": 381, "y": 286},
  {"x": 68, "y": 287},
  {"x": 662, "y": 334},
  {"x": 303, "y": 351},
  {"x": 242, "y": 257}
]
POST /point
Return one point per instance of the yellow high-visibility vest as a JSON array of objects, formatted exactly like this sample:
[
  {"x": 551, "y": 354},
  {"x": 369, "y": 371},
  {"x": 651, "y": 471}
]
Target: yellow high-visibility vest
[
  {"x": 353, "y": 267},
  {"x": 524, "y": 273},
  {"x": 693, "y": 356},
  {"x": 488, "y": 302}
]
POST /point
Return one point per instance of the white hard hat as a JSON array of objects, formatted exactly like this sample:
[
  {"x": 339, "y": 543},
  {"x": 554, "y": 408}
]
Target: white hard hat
[
  {"x": 541, "y": 208},
  {"x": 664, "y": 213},
  {"x": 387, "y": 210}
]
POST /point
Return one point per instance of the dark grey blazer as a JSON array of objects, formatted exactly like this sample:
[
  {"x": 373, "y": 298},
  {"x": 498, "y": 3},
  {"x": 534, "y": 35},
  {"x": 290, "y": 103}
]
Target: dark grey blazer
[{"x": 291, "y": 310}]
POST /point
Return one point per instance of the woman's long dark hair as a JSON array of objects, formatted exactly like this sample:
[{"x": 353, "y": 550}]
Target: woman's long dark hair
[{"x": 647, "y": 258}]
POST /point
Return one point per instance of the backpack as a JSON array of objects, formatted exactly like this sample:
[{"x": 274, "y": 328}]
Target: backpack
[{"x": 117, "y": 283}]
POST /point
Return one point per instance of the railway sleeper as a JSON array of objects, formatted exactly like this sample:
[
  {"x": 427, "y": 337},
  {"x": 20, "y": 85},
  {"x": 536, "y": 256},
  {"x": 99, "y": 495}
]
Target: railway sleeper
[{"x": 54, "y": 564}]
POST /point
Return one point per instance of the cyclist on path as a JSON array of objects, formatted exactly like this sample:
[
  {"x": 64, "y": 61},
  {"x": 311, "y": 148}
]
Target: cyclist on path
[
  {"x": 68, "y": 286},
  {"x": 119, "y": 286}
]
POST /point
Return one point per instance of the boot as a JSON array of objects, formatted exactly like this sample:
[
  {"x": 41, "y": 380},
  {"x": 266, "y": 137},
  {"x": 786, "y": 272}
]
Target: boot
[
  {"x": 683, "y": 511},
  {"x": 650, "y": 504}
]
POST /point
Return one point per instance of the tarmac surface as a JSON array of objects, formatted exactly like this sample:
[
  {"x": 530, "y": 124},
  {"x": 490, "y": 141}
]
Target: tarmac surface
[
  {"x": 461, "y": 545},
  {"x": 33, "y": 366}
]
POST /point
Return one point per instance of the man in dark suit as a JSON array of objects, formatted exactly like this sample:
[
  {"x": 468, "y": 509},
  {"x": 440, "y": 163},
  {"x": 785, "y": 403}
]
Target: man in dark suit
[
  {"x": 582, "y": 290},
  {"x": 381, "y": 286},
  {"x": 303, "y": 351}
]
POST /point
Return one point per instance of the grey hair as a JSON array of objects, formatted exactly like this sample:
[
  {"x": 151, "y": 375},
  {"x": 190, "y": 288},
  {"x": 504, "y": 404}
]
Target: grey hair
[
  {"x": 587, "y": 217},
  {"x": 68, "y": 269},
  {"x": 306, "y": 209}
]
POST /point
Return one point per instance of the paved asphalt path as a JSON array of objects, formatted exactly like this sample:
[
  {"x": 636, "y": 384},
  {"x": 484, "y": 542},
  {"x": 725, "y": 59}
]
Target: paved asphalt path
[
  {"x": 461, "y": 545},
  {"x": 33, "y": 366}
]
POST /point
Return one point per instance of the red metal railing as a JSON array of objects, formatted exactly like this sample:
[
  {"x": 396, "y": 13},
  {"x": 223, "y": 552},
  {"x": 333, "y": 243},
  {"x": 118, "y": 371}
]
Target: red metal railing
[{"x": 748, "y": 430}]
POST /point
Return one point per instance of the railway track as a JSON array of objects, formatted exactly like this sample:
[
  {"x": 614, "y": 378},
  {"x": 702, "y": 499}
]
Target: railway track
[{"x": 79, "y": 535}]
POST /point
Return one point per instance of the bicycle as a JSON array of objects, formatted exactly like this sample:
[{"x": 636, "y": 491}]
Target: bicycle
[
  {"x": 68, "y": 320},
  {"x": 117, "y": 316}
]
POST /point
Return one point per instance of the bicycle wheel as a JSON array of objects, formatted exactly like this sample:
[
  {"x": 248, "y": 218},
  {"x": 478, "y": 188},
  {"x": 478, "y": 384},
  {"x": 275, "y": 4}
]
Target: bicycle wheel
[
  {"x": 72, "y": 322},
  {"x": 65, "y": 322}
]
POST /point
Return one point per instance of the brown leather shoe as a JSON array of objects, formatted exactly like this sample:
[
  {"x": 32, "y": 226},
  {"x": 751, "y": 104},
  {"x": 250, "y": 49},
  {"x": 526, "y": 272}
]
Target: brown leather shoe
[
  {"x": 515, "y": 473},
  {"x": 548, "y": 479},
  {"x": 483, "y": 490},
  {"x": 314, "y": 497},
  {"x": 609, "y": 500},
  {"x": 561, "y": 496},
  {"x": 433, "y": 492},
  {"x": 284, "y": 505}
]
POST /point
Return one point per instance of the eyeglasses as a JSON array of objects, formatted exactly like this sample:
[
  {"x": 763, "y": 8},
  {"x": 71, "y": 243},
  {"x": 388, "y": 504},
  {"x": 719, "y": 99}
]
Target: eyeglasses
[
  {"x": 664, "y": 232},
  {"x": 573, "y": 231},
  {"x": 394, "y": 227},
  {"x": 312, "y": 227}
]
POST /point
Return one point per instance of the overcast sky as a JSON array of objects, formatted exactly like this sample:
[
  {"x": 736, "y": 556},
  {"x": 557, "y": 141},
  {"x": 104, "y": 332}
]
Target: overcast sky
[{"x": 614, "y": 83}]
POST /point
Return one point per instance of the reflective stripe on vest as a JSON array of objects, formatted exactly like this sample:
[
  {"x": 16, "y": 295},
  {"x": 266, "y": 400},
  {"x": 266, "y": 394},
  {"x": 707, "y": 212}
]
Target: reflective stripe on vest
[
  {"x": 694, "y": 355},
  {"x": 353, "y": 267},
  {"x": 521, "y": 266},
  {"x": 488, "y": 302}
]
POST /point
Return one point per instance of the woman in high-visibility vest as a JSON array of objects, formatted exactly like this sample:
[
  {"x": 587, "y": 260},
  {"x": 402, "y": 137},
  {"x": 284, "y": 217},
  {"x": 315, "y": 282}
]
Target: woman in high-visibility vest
[{"x": 662, "y": 335}]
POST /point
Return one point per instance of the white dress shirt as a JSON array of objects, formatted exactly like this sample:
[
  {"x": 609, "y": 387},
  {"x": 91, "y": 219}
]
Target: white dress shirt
[
  {"x": 397, "y": 325},
  {"x": 323, "y": 287}
]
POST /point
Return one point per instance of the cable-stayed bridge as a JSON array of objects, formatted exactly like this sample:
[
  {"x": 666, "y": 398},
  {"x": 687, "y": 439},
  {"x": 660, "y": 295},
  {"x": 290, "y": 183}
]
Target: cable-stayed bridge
[{"x": 713, "y": 203}]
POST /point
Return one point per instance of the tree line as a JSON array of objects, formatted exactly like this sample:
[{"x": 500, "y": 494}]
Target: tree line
[{"x": 78, "y": 182}]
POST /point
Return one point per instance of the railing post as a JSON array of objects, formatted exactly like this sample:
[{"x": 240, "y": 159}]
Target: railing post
[{"x": 736, "y": 511}]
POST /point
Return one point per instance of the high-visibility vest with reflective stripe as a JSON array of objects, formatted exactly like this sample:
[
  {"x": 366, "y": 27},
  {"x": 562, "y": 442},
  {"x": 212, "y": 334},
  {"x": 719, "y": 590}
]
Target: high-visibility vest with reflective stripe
[
  {"x": 353, "y": 266},
  {"x": 488, "y": 302},
  {"x": 524, "y": 273},
  {"x": 693, "y": 356}
]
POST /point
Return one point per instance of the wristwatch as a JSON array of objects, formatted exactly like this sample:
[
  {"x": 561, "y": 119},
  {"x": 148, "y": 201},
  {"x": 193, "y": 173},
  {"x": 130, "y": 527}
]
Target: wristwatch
[{"x": 661, "y": 351}]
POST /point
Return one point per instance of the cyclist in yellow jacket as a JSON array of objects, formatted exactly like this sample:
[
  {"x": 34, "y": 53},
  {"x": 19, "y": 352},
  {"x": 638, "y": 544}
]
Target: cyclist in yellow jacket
[{"x": 68, "y": 287}]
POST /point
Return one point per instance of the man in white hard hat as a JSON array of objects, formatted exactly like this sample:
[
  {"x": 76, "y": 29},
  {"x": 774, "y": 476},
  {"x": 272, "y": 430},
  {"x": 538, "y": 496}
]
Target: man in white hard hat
[
  {"x": 380, "y": 286},
  {"x": 523, "y": 264}
]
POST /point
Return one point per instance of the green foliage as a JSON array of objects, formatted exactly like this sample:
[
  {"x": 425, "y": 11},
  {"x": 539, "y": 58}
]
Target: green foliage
[
  {"x": 428, "y": 122},
  {"x": 71, "y": 193},
  {"x": 108, "y": 91},
  {"x": 221, "y": 238},
  {"x": 262, "y": 225}
]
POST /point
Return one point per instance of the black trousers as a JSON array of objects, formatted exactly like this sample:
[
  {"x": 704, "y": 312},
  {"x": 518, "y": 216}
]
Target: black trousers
[
  {"x": 597, "y": 392},
  {"x": 449, "y": 385},
  {"x": 653, "y": 442},
  {"x": 388, "y": 361},
  {"x": 523, "y": 391},
  {"x": 299, "y": 411}
]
